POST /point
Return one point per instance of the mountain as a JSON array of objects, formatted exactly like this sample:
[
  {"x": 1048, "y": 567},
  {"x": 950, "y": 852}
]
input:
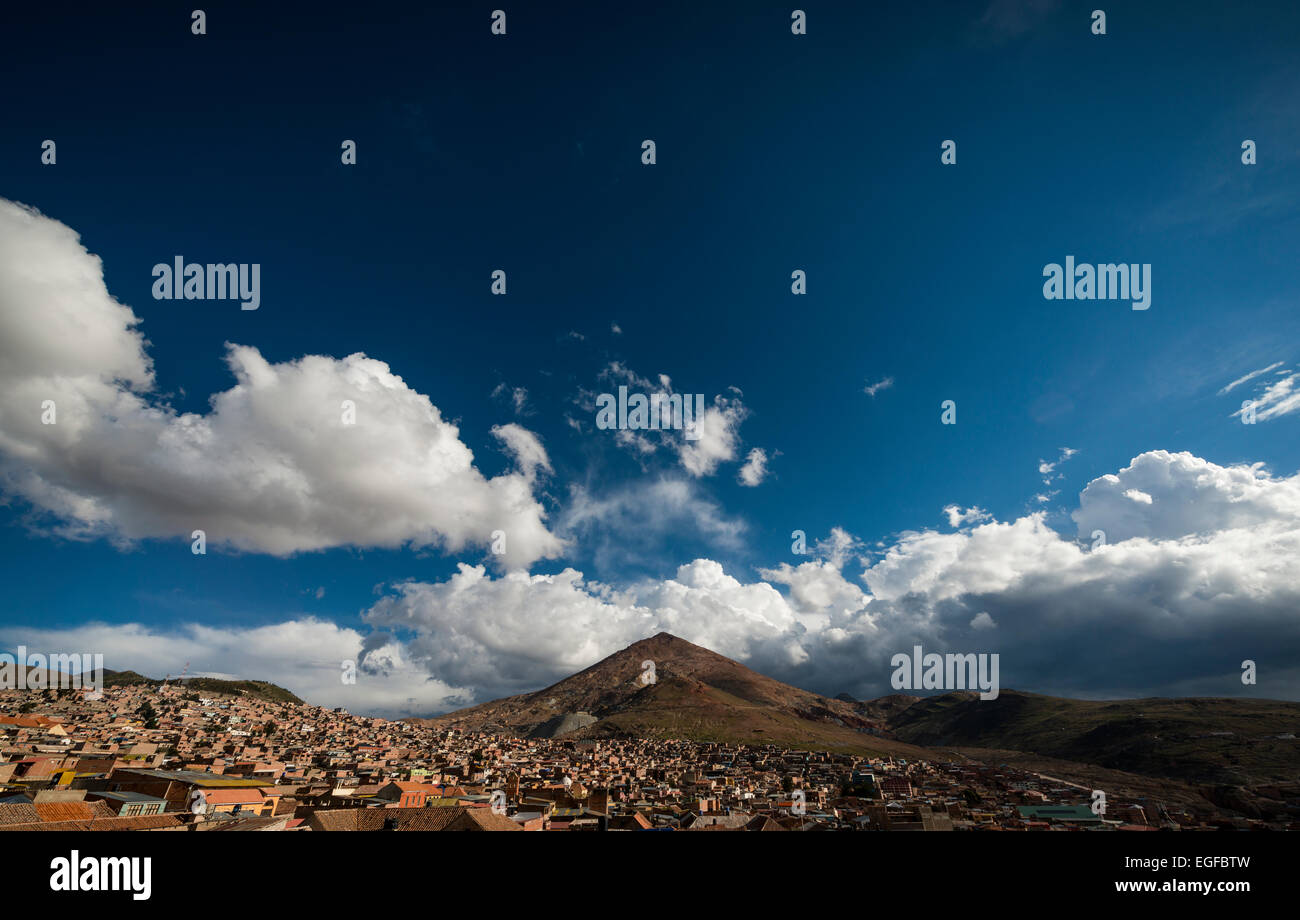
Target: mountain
[
  {"x": 1234, "y": 752},
  {"x": 696, "y": 694},
  {"x": 1209, "y": 741},
  {"x": 260, "y": 689}
]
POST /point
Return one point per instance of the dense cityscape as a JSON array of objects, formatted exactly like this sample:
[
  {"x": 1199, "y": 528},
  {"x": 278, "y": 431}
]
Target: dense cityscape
[{"x": 145, "y": 757}]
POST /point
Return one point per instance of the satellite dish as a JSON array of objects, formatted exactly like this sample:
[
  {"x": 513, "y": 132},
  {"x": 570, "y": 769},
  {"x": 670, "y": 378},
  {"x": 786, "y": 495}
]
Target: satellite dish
[{"x": 198, "y": 802}]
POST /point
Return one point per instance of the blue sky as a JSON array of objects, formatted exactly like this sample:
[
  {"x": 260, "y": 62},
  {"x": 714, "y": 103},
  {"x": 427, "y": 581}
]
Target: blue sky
[{"x": 775, "y": 152}]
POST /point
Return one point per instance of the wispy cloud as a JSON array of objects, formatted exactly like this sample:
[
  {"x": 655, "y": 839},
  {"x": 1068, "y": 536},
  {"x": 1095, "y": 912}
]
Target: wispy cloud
[
  {"x": 1047, "y": 469},
  {"x": 717, "y": 429},
  {"x": 516, "y": 396},
  {"x": 755, "y": 469},
  {"x": 872, "y": 389},
  {"x": 1281, "y": 397},
  {"x": 1251, "y": 376},
  {"x": 1007, "y": 19}
]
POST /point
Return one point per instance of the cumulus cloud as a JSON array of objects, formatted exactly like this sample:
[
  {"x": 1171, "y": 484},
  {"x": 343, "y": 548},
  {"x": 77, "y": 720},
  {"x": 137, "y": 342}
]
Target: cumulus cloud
[
  {"x": 822, "y": 599},
  {"x": 1180, "y": 495},
  {"x": 271, "y": 468}
]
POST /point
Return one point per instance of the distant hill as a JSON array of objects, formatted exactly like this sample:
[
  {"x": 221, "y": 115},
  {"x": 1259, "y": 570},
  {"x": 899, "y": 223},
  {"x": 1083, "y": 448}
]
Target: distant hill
[
  {"x": 697, "y": 694},
  {"x": 258, "y": 689},
  {"x": 1235, "y": 742}
]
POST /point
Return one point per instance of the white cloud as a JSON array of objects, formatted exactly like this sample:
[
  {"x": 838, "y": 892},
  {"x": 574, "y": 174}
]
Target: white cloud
[
  {"x": 972, "y": 515},
  {"x": 716, "y": 431},
  {"x": 526, "y": 448},
  {"x": 270, "y": 468},
  {"x": 872, "y": 389},
  {"x": 719, "y": 436},
  {"x": 755, "y": 469},
  {"x": 816, "y": 586},
  {"x": 517, "y": 397},
  {"x": 1189, "y": 497},
  {"x": 1251, "y": 376},
  {"x": 1281, "y": 397},
  {"x": 838, "y": 548},
  {"x": 1046, "y": 468}
]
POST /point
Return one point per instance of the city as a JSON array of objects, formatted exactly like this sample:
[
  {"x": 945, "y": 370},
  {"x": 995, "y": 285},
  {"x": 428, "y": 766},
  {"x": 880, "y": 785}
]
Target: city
[{"x": 147, "y": 758}]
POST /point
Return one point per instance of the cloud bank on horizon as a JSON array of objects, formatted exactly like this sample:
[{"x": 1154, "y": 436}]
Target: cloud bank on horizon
[{"x": 1196, "y": 569}]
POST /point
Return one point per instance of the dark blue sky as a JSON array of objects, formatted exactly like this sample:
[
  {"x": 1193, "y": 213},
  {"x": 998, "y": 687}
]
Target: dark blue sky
[{"x": 775, "y": 153}]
